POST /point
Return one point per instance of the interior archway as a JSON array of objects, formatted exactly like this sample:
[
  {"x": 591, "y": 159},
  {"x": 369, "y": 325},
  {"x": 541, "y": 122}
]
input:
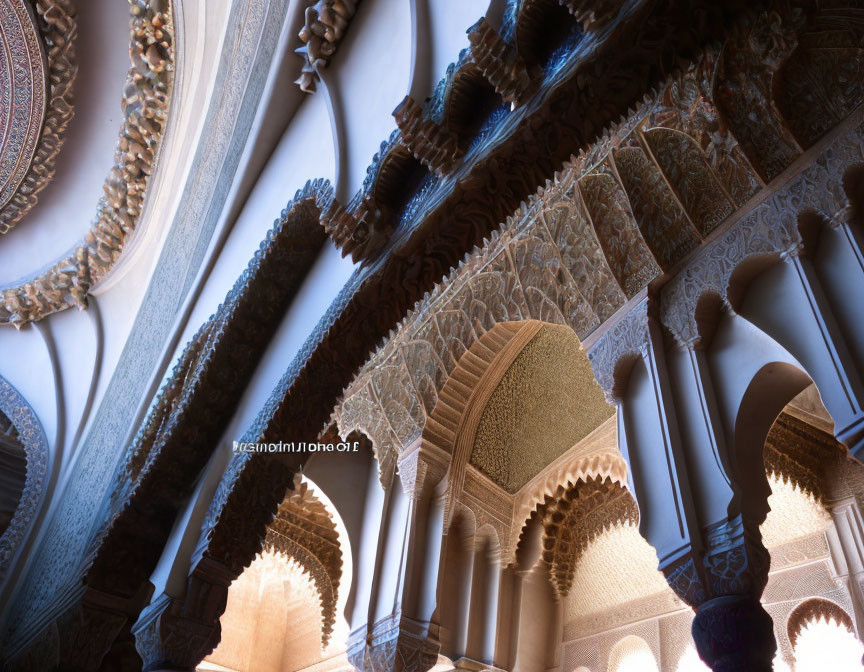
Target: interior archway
[
  {"x": 822, "y": 638},
  {"x": 632, "y": 654},
  {"x": 285, "y": 608}
]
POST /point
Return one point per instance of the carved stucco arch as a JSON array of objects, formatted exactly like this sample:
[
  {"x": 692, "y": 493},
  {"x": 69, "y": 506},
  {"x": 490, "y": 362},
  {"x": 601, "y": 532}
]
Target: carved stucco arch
[
  {"x": 813, "y": 609},
  {"x": 32, "y": 437},
  {"x": 602, "y": 464},
  {"x": 576, "y": 514},
  {"x": 188, "y": 416},
  {"x": 556, "y": 259},
  {"x": 452, "y": 426},
  {"x": 770, "y": 389},
  {"x": 824, "y": 190},
  {"x": 304, "y": 530}
]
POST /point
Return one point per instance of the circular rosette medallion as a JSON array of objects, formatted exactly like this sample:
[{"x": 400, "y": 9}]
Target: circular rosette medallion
[{"x": 22, "y": 93}]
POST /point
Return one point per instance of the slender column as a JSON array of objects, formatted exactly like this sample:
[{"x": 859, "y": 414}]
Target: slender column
[
  {"x": 398, "y": 633},
  {"x": 838, "y": 367},
  {"x": 490, "y": 616},
  {"x": 672, "y": 435},
  {"x": 846, "y": 541},
  {"x": 427, "y": 596},
  {"x": 460, "y": 636},
  {"x": 368, "y": 549},
  {"x": 514, "y": 580}
]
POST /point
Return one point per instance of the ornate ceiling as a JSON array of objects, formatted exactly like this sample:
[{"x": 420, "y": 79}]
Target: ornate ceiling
[
  {"x": 546, "y": 402},
  {"x": 37, "y": 73}
]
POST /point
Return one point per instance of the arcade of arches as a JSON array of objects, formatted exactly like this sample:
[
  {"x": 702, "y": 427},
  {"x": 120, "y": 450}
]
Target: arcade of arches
[{"x": 586, "y": 414}]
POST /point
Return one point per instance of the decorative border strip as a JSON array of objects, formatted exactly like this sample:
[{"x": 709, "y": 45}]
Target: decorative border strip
[{"x": 35, "y": 443}]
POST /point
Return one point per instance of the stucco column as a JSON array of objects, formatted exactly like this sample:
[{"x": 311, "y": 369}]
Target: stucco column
[
  {"x": 846, "y": 541},
  {"x": 490, "y": 608},
  {"x": 513, "y": 580},
  {"x": 460, "y": 636},
  {"x": 672, "y": 434}
]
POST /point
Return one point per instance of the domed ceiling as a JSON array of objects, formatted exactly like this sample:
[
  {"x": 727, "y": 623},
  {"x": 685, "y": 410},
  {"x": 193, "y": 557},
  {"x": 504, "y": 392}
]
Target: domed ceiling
[{"x": 546, "y": 402}]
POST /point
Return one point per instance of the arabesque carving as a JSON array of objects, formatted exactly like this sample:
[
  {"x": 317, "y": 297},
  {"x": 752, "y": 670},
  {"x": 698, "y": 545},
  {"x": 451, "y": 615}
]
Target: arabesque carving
[
  {"x": 324, "y": 27},
  {"x": 583, "y": 245},
  {"x": 574, "y": 516},
  {"x": 304, "y": 531},
  {"x": 146, "y": 100},
  {"x": 39, "y": 99}
]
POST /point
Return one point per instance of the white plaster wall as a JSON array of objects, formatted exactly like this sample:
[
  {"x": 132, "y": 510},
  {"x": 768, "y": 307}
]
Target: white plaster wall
[
  {"x": 304, "y": 152},
  {"x": 370, "y": 75}
]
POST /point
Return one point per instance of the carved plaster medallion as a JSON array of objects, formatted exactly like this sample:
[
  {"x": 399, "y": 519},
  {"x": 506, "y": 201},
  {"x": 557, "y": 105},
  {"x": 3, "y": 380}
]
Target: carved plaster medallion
[{"x": 23, "y": 74}]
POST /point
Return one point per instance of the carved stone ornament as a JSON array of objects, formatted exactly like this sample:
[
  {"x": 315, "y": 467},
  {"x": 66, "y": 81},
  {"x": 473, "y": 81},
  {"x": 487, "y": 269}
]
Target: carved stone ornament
[
  {"x": 304, "y": 531},
  {"x": 32, "y": 437},
  {"x": 37, "y": 68},
  {"x": 733, "y": 562},
  {"x": 395, "y": 643},
  {"x": 323, "y": 29},
  {"x": 146, "y": 98},
  {"x": 575, "y": 516}
]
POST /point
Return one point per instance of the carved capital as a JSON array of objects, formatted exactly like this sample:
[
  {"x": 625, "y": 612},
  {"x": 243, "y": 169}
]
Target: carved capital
[
  {"x": 733, "y": 561},
  {"x": 396, "y": 644},
  {"x": 614, "y": 354}
]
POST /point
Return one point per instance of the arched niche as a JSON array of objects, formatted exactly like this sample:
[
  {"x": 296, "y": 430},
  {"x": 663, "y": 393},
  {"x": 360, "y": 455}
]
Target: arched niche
[
  {"x": 632, "y": 654},
  {"x": 822, "y": 637},
  {"x": 284, "y": 611},
  {"x": 23, "y": 466}
]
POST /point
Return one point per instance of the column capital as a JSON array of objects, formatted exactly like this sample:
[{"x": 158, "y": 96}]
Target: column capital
[
  {"x": 395, "y": 644},
  {"x": 176, "y": 634},
  {"x": 732, "y": 561}
]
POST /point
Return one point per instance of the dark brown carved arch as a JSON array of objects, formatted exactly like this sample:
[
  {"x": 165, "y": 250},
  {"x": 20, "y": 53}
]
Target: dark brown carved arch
[
  {"x": 813, "y": 609},
  {"x": 193, "y": 408}
]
